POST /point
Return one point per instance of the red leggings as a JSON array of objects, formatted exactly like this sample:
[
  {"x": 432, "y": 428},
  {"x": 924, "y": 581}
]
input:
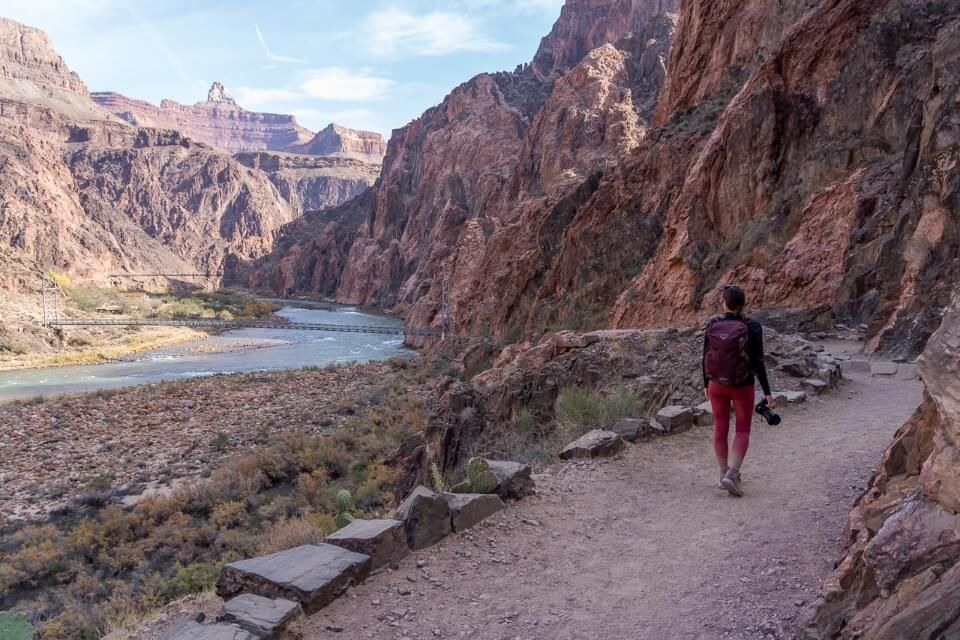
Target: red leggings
[{"x": 720, "y": 399}]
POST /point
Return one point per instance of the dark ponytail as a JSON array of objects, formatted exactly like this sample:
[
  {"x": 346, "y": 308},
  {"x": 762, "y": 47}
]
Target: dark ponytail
[{"x": 734, "y": 299}]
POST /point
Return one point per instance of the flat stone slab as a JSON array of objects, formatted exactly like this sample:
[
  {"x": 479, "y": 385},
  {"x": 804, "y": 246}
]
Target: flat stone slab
[
  {"x": 313, "y": 575},
  {"x": 675, "y": 418},
  {"x": 814, "y": 385},
  {"x": 628, "y": 429},
  {"x": 426, "y": 518},
  {"x": 794, "y": 397},
  {"x": 385, "y": 541},
  {"x": 196, "y": 631},
  {"x": 907, "y": 372},
  {"x": 596, "y": 444},
  {"x": 263, "y": 617},
  {"x": 857, "y": 366},
  {"x": 470, "y": 509},
  {"x": 884, "y": 368},
  {"x": 514, "y": 477}
]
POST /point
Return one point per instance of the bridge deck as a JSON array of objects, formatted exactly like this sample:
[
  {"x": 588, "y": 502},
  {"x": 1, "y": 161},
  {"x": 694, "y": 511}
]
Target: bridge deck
[{"x": 249, "y": 324}]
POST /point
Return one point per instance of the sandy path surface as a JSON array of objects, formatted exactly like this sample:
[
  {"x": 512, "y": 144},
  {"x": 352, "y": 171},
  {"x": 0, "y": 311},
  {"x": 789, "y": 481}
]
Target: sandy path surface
[{"x": 644, "y": 546}]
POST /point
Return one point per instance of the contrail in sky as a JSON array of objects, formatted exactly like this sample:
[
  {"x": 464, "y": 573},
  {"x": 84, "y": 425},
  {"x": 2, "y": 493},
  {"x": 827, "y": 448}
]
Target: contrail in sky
[{"x": 275, "y": 56}]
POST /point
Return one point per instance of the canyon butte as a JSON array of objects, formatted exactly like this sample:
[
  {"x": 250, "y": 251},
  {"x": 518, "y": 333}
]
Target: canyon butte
[
  {"x": 651, "y": 152},
  {"x": 87, "y": 192}
]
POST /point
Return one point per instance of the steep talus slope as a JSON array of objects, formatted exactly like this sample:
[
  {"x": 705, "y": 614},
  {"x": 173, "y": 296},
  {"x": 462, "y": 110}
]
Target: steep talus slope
[
  {"x": 195, "y": 201},
  {"x": 900, "y": 577},
  {"x": 85, "y": 193}
]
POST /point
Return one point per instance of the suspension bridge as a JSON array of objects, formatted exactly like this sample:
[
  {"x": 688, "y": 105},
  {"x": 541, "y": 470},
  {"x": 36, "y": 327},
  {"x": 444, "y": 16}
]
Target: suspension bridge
[{"x": 50, "y": 302}]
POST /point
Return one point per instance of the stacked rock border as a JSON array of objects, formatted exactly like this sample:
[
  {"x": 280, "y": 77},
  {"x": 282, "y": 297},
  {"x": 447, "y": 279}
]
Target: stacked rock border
[{"x": 263, "y": 595}]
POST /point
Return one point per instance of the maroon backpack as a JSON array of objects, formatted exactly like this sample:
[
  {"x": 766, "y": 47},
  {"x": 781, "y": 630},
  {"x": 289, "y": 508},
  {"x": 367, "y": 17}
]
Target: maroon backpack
[{"x": 727, "y": 361}]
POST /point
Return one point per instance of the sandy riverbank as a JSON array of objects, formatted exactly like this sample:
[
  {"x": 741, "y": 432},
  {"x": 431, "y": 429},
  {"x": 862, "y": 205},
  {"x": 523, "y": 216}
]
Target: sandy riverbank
[{"x": 104, "y": 348}]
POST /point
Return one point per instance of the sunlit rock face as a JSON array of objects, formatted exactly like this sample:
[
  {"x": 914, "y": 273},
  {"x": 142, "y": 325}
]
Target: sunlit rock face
[
  {"x": 653, "y": 152},
  {"x": 85, "y": 193}
]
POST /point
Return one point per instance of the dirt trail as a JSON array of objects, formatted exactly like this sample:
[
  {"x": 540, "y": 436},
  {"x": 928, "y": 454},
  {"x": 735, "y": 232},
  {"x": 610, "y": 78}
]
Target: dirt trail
[{"x": 644, "y": 546}]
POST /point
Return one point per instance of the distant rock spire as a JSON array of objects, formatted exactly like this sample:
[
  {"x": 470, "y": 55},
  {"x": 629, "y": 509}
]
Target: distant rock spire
[{"x": 218, "y": 95}]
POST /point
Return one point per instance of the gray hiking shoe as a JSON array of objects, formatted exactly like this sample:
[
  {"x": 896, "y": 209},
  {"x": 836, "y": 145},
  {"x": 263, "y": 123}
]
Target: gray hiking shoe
[{"x": 731, "y": 482}]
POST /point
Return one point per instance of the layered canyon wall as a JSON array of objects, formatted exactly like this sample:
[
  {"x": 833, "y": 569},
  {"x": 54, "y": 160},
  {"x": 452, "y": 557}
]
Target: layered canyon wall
[
  {"x": 801, "y": 148},
  {"x": 84, "y": 193},
  {"x": 219, "y": 121}
]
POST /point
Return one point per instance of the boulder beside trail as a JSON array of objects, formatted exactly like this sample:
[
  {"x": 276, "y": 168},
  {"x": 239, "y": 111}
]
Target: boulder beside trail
[
  {"x": 794, "y": 397},
  {"x": 595, "y": 444},
  {"x": 313, "y": 575},
  {"x": 385, "y": 541},
  {"x": 815, "y": 386},
  {"x": 703, "y": 414},
  {"x": 857, "y": 365},
  {"x": 907, "y": 371},
  {"x": 469, "y": 509},
  {"x": 883, "y": 368},
  {"x": 674, "y": 418},
  {"x": 628, "y": 429},
  {"x": 514, "y": 479},
  {"x": 426, "y": 518},
  {"x": 263, "y": 617}
]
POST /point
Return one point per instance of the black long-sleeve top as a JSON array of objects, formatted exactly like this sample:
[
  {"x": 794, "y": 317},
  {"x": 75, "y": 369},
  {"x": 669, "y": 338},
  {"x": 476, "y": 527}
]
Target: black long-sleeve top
[{"x": 758, "y": 367}]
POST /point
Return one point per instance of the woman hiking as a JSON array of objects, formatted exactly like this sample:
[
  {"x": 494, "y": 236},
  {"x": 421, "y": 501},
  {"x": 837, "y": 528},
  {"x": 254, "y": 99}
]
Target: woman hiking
[{"x": 732, "y": 360}]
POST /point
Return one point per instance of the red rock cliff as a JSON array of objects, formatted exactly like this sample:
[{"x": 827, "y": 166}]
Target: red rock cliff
[
  {"x": 84, "y": 193},
  {"x": 463, "y": 170},
  {"x": 801, "y": 147}
]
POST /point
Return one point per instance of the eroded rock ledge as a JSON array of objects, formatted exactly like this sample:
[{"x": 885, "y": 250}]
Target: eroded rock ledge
[{"x": 899, "y": 577}]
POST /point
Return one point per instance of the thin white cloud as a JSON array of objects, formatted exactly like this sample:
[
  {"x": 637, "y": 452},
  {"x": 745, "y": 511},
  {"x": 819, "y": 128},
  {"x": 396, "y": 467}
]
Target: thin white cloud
[
  {"x": 275, "y": 57},
  {"x": 338, "y": 83},
  {"x": 393, "y": 32},
  {"x": 255, "y": 97}
]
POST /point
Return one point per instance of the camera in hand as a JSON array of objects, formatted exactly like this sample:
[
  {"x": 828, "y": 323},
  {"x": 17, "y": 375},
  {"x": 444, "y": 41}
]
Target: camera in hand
[{"x": 771, "y": 416}]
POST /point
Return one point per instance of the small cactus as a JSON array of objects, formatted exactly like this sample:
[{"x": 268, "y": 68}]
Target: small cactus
[
  {"x": 344, "y": 509},
  {"x": 480, "y": 478},
  {"x": 463, "y": 487}
]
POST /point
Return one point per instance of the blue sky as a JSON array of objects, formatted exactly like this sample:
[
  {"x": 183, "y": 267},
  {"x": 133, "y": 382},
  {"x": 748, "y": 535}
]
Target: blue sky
[{"x": 372, "y": 64}]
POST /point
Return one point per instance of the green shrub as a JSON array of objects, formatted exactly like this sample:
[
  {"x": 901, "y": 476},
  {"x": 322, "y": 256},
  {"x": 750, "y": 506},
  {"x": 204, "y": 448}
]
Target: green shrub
[
  {"x": 192, "y": 578},
  {"x": 15, "y": 347},
  {"x": 80, "y": 340},
  {"x": 580, "y": 410}
]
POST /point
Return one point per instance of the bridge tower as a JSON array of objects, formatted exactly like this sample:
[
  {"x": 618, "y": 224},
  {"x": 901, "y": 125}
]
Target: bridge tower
[{"x": 49, "y": 301}]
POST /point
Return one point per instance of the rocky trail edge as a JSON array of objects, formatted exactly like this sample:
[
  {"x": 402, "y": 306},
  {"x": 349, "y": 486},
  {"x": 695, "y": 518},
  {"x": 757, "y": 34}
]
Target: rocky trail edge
[{"x": 644, "y": 546}]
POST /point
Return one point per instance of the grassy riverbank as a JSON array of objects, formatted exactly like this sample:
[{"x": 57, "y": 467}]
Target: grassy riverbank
[{"x": 25, "y": 344}]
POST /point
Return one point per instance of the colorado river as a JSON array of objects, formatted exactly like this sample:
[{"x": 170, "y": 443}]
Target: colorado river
[{"x": 280, "y": 349}]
